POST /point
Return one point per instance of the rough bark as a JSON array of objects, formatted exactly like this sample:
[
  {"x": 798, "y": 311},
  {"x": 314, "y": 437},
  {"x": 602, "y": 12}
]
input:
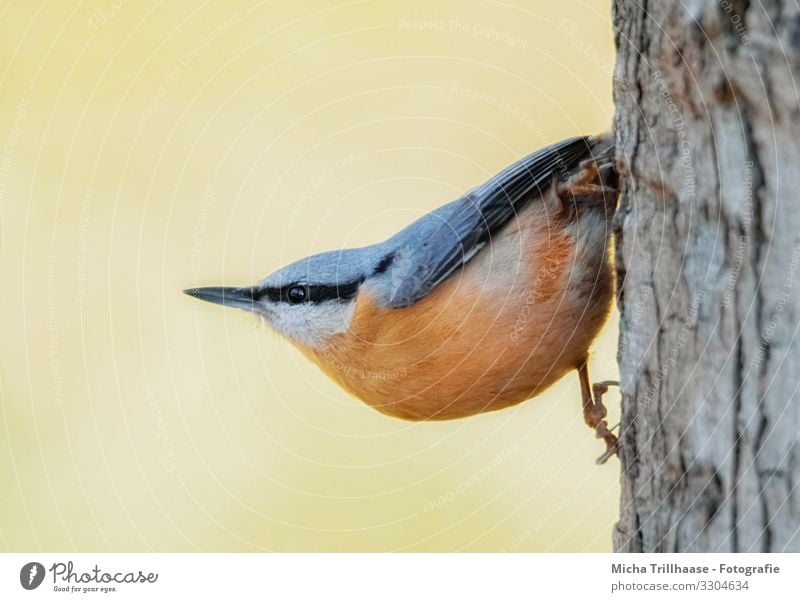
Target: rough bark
[{"x": 708, "y": 256}]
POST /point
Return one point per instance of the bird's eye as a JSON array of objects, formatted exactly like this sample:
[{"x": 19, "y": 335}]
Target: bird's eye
[{"x": 297, "y": 294}]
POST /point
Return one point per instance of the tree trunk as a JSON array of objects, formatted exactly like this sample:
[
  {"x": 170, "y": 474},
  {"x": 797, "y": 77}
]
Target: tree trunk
[{"x": 708, "y": 252}]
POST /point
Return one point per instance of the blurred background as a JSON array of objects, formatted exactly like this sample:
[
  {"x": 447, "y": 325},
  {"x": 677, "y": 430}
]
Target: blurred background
[{"x": 147, "y": 147}]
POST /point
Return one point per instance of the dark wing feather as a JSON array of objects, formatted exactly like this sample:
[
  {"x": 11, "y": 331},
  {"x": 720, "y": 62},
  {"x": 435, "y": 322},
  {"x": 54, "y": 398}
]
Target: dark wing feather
[{"x": 437, "y": 245}]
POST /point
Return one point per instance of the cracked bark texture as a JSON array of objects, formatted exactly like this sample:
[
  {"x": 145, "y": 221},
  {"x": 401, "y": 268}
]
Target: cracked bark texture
[{"x": 708, "y": 260}]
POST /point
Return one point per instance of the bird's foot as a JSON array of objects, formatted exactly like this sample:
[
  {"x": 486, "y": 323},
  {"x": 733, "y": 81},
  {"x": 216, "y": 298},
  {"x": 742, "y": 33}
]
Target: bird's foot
[
  {"x": 612, "y": 443},
  {"x": 592, "y": 179},
  {"x": 594, "y": 412},
  {"x": 597, "y": 416},
  {"x": 570, "y": 191}
]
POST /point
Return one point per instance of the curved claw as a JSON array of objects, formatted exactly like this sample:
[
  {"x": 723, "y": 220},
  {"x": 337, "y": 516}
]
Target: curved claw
[
  {"x": 610, "y": 452},
  {"x": 608, "y": 383}
]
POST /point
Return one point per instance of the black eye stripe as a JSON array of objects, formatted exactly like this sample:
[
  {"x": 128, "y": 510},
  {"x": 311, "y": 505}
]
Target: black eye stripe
[
  {"x": 315, "y": 293},
  {"x": 384, "y": 264}
]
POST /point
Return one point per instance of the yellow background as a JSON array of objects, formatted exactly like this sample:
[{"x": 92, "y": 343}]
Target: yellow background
[{"x": 152, "y": 146}]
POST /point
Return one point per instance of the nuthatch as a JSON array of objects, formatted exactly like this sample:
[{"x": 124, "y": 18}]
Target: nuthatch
[{"x": 477, "y": 306}]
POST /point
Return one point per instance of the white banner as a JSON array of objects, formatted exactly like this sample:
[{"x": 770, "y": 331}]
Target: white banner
[{"x": 401, "y": 577}]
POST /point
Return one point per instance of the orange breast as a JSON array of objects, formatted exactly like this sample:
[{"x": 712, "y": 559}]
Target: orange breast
[{"x": 513, "y": 321}]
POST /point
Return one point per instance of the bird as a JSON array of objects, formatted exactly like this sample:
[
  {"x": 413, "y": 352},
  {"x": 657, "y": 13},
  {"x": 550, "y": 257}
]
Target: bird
[{"x": 479, "y": 305}]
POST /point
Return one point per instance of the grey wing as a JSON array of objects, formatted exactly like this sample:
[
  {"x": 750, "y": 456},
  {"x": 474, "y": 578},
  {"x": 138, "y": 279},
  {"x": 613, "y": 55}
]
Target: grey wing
[{"x": 432, "y": 249}]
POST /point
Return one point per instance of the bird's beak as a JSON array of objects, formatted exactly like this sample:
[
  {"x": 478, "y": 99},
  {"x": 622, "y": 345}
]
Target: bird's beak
[{"x": 240, "y": 298}]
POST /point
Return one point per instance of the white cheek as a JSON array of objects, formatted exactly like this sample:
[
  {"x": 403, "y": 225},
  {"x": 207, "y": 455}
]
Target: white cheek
[{"x": 312, "y": 324}]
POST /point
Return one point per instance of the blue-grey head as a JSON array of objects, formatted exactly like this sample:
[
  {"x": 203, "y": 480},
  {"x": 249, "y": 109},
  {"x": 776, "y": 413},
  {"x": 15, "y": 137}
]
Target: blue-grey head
[{"x": 314, "y": 298}]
